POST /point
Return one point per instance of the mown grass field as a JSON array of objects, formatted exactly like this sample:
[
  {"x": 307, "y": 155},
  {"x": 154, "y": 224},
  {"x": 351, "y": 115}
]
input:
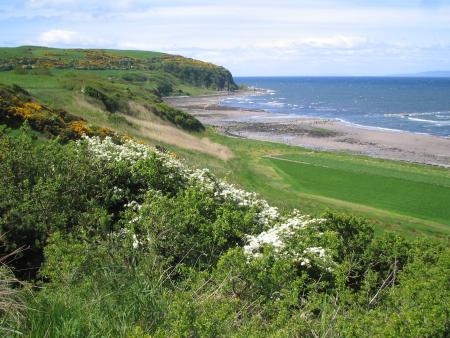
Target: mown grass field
[
  {"x": 397, "y": 189},
  {"x": 411, "y": 199}
]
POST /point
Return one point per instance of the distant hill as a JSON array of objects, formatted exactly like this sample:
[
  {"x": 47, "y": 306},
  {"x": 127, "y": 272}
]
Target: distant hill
[
  {"x": 70, "y": 92},
  {"x": 436, "y": 73},
  {"x": 194, "y": 72}
]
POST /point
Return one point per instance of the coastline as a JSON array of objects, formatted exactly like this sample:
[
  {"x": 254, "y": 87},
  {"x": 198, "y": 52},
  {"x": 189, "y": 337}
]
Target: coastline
[{"x": 314, "y": 133}]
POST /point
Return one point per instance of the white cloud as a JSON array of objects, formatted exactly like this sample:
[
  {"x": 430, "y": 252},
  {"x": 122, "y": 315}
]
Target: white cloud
[
  {"x": 386, "y": 16},
  {"x": 338, "y": 41},
  {"x": 298, "y": 12},
  {"x": 47, "y": 3},
  {"x": 242, "y": 34},
  {"x": 59, "y": 36},
  {"x": 318, "y": 42},
  {"x": 81, "y": 5}
]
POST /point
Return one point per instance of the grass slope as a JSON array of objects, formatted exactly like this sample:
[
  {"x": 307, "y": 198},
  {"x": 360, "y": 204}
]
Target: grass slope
[
  {"x": 196, "y": 73},
  {"x": 126, "y": 100}
]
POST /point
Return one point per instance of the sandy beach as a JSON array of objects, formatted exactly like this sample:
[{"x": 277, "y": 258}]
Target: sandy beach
[{"x": 315, "y": 133}]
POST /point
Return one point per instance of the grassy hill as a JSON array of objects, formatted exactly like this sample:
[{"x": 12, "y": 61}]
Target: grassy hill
[
  {"x": 194, "y": 72},
  {"x": 118, "y": 90}
]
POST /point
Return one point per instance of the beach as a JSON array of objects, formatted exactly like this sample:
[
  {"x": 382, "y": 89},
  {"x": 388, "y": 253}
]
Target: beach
[{"x": 314, "y": 133}]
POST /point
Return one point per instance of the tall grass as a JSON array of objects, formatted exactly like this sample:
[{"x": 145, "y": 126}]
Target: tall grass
[{"x": 12, "y": 306}]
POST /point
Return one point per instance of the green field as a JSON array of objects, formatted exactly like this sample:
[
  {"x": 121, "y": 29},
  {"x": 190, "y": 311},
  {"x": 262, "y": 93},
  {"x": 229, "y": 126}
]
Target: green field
[
  {"x": 411, "y": 199},
  {"x": 398, "y": 190}
]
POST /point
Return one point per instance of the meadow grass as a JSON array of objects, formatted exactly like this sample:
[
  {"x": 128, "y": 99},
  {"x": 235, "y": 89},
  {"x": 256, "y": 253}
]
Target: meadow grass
[{"x": 6, "y": 52}]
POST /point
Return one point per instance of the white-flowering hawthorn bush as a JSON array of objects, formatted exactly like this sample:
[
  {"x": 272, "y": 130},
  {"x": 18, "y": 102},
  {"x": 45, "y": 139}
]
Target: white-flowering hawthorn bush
[
  {"x": 131, "y": 152},
  {"x": 207, "y": 202},
  {"x": 297, "y": 237}
]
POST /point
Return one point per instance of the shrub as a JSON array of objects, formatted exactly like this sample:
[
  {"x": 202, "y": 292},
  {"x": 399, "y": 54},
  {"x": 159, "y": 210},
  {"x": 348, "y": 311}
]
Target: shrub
[
  {"x": 114, "y": 291},
  {"x": 196, "y": 229},
  {"x": 111, "y": 104},
  {"x": 134, "y": 77},
  {"x": 17, "y": 106},
  {"x": 164, "y": 89},
  {"x": 177, "y": 117},
  {"x": 43, "y": 71}
]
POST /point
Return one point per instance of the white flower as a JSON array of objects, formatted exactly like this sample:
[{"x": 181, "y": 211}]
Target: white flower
[
  {"x": 316, "y": 251},
  {"x": 279, "y": 235},
  {"x": 136, "y": 242},
  {"x": 133, "y": 205}
]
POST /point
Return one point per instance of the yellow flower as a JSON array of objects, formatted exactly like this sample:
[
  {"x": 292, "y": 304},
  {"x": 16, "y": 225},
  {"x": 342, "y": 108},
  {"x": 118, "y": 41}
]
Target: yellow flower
[{"x": 79, "y": 127}]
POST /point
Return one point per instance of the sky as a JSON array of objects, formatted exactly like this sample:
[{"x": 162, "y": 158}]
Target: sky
[{"x": 249, "y": 37}]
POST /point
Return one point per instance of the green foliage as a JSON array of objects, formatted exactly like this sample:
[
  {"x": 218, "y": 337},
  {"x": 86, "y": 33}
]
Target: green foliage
[
  {"x": 417, "y": 306},
  {"x": 177, "y": 117},
  {"x": 164, "y": 89},
  {"x": 196, "y": 230},
  {"x": 111, "y": 104},
  {"x": 17, "y": 106},
  {"x": 43, "y": 188},
  {"x": 354, "y": 234},
  {"x": 197, "y": 73},
  {"x": 137, "y": 248},
  {"x": 19, "y": 70},
  {"x": 47, "y": 187},
  {"x": 42, "y": 71},
  {"x": 113, "y": 292},
  {"x": 134, "y": 77}
]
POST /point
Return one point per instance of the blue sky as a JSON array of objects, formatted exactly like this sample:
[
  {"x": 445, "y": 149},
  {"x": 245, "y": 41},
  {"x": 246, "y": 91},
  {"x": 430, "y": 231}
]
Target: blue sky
[{"x": 283, "y": 37}]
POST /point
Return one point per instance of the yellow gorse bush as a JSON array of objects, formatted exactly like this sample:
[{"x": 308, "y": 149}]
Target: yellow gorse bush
[
  {"x": 27, "y": 109},
  {"x": 80, "y": 127},
  {"x": 15, "y": 108}
]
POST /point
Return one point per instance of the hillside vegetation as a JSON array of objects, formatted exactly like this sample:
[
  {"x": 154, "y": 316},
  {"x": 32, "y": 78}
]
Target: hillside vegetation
[
  {"x": 117, "y": 90},
  {"x": 194, "y": 72},
  {"x": 106, "y": 232}
]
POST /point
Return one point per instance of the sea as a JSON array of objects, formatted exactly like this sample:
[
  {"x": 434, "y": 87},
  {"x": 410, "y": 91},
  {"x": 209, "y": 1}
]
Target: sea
[{"x": 419, "y": 105}]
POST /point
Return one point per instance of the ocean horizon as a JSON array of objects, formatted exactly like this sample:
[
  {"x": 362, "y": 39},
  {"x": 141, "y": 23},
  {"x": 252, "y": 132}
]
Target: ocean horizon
[{"x": 409, "y": 104}]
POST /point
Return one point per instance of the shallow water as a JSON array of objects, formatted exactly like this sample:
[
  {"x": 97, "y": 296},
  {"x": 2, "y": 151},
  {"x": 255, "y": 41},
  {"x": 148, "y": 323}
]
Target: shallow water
[{"x": 420, "y": 105}]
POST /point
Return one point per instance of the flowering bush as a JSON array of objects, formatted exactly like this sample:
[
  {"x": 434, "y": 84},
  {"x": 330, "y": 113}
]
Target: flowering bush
[
  {"x": 136, "y": 154},
  {"x": 17, "y": 106}
]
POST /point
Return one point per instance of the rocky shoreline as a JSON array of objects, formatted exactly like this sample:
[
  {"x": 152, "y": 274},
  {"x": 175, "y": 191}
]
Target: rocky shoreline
[{"x": 314, "y": 133}]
